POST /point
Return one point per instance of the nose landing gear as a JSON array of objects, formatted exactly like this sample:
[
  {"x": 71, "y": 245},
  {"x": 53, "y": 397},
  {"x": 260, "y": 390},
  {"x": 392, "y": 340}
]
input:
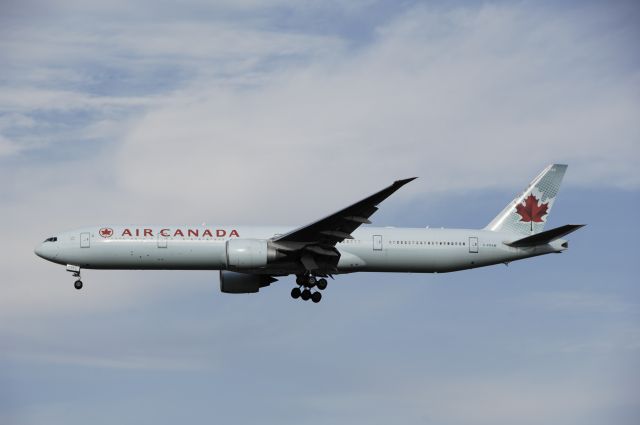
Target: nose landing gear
[
  {"x": 308, "y": 282},
  {"x": 76, "y": 273}
]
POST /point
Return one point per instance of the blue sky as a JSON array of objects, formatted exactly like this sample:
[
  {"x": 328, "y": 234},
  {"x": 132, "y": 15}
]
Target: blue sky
[{"x": 280, "y": 112}]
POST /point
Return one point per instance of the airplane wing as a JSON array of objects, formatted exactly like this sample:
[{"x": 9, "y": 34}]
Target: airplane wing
[{"x": 315, "y": 243}]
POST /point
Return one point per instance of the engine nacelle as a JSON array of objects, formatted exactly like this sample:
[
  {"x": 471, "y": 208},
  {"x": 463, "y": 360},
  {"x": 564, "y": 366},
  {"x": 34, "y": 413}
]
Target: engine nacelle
[
  {"x": 243, "y": 283},
  {"x": 246, "y": 254}
]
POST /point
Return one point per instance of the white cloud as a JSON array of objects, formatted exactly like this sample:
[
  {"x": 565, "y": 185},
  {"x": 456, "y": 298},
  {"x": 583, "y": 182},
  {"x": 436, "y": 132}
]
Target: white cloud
[
  {"x": 8, "y": 147},
  {"x": 511, "y": 87},
  {"x": 462, "y": 98}
]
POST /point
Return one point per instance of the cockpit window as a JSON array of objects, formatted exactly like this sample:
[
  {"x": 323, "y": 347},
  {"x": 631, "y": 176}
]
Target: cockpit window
[{"x": 52, "y": 239}]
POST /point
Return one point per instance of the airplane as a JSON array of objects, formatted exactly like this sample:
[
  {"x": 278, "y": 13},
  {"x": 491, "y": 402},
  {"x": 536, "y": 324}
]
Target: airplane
[{"x": 251, "y": 258}]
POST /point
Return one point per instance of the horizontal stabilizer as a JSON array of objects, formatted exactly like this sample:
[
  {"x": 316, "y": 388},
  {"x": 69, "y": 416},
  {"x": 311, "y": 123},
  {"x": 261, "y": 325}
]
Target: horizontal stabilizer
[{"x": 546, "y": 236}]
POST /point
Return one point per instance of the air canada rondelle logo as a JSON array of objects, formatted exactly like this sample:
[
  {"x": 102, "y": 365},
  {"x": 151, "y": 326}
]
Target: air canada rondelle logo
[{"x": 106, "y": 232}]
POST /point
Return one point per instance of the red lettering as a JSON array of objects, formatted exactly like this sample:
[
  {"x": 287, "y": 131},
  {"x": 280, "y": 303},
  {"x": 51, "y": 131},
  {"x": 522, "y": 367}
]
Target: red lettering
[{"x": 220, "y": 233}]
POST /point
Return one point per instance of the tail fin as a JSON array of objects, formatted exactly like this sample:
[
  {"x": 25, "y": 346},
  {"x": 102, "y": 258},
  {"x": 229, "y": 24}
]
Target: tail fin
[{"x": 528, "y": 212}]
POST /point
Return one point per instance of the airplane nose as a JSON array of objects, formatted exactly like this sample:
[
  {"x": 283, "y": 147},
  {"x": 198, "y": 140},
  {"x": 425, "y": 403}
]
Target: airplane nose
[
  {"x": 39, "y": 251},
  {"x": 46, "y": 251}
]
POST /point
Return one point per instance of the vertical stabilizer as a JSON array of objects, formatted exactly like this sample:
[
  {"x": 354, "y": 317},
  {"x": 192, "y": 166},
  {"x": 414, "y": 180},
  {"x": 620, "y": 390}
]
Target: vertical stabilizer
[{"x": 528, "y": 212}]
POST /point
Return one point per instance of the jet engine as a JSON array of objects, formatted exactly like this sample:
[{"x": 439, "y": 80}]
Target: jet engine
[
  {"x": 243, "y": 283},
  {"x": 246, "y": 254}
]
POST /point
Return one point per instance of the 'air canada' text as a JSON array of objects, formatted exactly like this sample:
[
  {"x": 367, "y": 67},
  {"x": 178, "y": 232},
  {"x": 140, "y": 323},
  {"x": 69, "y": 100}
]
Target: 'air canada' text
[{"x": 181, "y": 233}]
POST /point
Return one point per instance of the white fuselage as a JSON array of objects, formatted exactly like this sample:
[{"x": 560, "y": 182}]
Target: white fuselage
[{"x": 373, "y": 249}]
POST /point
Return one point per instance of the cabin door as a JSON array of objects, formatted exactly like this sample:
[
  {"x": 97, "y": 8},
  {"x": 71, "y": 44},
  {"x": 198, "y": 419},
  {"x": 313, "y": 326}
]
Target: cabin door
[
  {"x": 85, "y": 240},
  {"x": 473, "y": 245},
  {"x": 377, "y": 242}
]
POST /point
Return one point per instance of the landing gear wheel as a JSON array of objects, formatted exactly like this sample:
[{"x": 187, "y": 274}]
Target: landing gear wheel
[
  {"x": 305, "y": 295},
  {"x": 322, "y": 284},
  {"x": 316, "y": 297},
  {"x": 77, "y": 284},
  {"x": 300, "y": 280},
  {"x": 311, "y": 281},
  {"x": 295, "y": 293}
]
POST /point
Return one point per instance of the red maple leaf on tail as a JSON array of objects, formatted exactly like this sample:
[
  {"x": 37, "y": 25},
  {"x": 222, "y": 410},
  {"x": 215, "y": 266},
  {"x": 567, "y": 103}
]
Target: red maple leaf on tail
[{"x": 531, "y": 211}]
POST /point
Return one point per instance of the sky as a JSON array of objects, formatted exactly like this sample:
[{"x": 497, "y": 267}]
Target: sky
[{"x": 281, "y": 112}]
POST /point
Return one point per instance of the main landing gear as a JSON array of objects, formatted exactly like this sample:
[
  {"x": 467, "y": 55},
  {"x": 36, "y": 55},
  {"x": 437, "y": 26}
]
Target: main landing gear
[
  {"x": 308, "y": 282},
  {"x": 76, "y": 273}
]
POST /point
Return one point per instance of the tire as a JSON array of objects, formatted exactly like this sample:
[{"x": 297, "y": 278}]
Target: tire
[
  {"x": 322, "y": 284},
  {"x": 316, "y": 297},
  {"x": 295, "y": 293},
  {"x": 306, "y": 294},
  {"x": 77, "y": 284}
]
